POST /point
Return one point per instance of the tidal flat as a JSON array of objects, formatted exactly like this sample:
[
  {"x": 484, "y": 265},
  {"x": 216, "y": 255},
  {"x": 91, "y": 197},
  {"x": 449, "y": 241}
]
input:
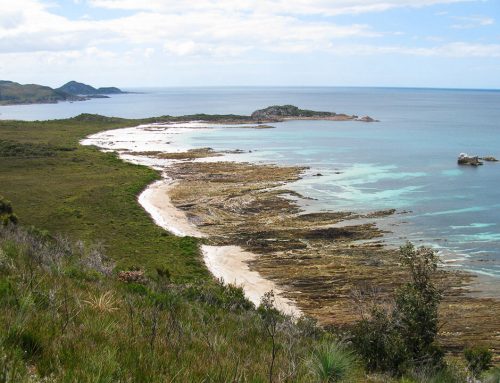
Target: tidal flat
[{"x": 331, "y": 271}]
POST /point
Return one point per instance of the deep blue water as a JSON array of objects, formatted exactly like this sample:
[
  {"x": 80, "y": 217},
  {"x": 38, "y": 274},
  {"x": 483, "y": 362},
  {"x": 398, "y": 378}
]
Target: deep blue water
[{"x": 406, "y": 161}]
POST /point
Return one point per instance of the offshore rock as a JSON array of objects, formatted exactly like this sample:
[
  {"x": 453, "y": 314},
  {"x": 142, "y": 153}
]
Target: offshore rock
[
  {"x": 489, "y": 159},
  {"x": 465, "y": 159},
  {"x": 366, "y": 119}
]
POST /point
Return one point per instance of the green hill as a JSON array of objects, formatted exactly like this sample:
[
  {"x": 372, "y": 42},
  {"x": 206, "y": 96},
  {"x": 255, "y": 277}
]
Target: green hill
[
  {"x": 78, "y": 88},
  {"x": 14, "y": 93}
]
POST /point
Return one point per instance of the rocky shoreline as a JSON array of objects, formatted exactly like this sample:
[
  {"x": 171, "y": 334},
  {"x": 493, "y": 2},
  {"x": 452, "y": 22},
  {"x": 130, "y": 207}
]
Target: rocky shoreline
[
  {"x": 327, "y": 265},
  {"x": 327, "y": 270}
]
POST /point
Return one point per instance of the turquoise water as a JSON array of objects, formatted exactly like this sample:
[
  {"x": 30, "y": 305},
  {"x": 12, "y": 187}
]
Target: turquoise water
[{"x": 407, "y": 161}]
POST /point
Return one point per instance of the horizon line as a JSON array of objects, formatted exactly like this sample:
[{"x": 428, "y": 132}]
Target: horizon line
[{"x": 308, "y": 86}]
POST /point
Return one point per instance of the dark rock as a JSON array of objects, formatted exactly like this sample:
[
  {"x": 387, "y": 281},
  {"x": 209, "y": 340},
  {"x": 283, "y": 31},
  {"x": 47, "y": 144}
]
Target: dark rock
[
  {"x": 489, "y": 159},
  {"x": 465, "y": 159},
  {"x": 367, "y": 119}
]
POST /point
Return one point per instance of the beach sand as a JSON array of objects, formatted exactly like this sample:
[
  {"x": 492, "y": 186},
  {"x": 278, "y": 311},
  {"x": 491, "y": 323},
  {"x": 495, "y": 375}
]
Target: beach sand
[
  {"x": 156, "y": 201},
  {"x": 229, "y": 263}
]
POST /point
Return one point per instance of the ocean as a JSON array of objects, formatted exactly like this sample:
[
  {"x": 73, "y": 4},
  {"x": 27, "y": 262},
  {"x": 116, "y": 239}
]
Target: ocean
[{"x": 407, "y": 161}]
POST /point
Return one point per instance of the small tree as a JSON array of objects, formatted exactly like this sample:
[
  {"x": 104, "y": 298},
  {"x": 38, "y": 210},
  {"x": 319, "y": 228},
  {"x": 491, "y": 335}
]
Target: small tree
[
  {"x": 6, "y": 213},
  {"x": 271, "y": 318},
  {"x": 403, "y": 336},
  {"x": 416, "y": 307}
]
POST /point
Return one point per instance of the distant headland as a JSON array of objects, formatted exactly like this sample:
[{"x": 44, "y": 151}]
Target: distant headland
[
  {"x": 80, "y": 89},
  {"x": 13, "y": 93},
  {"x": 288, "y": 112}
]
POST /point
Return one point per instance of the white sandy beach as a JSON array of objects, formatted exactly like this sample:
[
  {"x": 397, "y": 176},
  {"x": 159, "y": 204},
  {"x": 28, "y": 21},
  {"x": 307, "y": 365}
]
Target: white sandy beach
[
  {"x": 229, "y": 263},
  {"x": 156, "y": 201}
]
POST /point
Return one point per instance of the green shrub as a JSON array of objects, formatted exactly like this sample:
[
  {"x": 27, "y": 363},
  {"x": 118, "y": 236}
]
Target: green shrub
[
  {"x": 332, "y": 362},
  {"x": 28, "y": 342},
  {"x": 380, "y": 344},
  {"x": 451, "y": 373},
  {"x": 77, "y": 272},
  {"x": 6, "y": 213},
  {"x": 135, "y": 288},
  {"x": 219, "y": 295},
  {"x": 493, "y": 376},
  {"x": 478, "y": 359},
  {"x": 395, "y": 339}
]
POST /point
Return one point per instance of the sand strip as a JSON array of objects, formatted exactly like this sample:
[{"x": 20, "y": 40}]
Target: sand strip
[
  {"x": 229, "y": 263},
  {"x": 156, "y": 201}
]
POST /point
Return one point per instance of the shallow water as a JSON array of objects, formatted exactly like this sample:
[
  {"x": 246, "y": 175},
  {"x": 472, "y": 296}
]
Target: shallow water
[{"x": 407, "y": 161}]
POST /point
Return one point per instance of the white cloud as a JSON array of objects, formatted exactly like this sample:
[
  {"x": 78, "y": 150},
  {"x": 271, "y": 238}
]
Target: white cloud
[
  {"x": 324, "y": 7},
  {"x": 30, "y": 26},
  {"x": 34, "y": 39},
  {"x": 453, "y": 50},
  {"x": 472, "y": 22},
  {"x": 461, "y": 49}
]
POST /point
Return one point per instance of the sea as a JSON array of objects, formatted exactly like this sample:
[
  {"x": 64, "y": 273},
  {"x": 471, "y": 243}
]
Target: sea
[{"x": 407, "y": 161}]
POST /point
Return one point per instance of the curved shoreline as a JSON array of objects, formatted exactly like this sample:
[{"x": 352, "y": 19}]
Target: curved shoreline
[
  {"x": 263, "y": 240},
  {"x": 156, "y": 201},
  {"x": 229, "y": 263}
]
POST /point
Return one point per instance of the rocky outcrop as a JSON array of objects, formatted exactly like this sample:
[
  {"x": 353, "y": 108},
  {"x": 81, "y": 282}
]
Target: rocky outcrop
[
  {"x": 277, "y": 111},
  {"x": 465, "y": 159},
  {"x": 366, "y": 119},
  {"x": 489, "y": 159},
  {"x": 289, "y": 112}
]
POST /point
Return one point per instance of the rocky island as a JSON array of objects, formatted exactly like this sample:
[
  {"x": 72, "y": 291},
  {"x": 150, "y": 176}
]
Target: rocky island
[
  {"x": 465, "y": 159},
  {"x": 287, "y": 112}
]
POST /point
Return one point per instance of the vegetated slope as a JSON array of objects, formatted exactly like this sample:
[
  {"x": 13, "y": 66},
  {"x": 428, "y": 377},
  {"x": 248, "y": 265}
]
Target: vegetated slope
[
  {"x": 81, "y": 321},
  {"x": 79, "y": 191},
  {"x": 78, "y": 88},
  {"x": 14, "y": 93}
]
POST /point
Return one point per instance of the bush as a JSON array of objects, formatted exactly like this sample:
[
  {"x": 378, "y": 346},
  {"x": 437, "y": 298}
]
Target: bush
[
  {"x": 393, "y": 340},
  {"x": 380, "y": 344},
  {"x": 220, "y": 295},
  {"x": 6, "y": 213},
  {"x": 28, "y": 342},
  {"x": 452, "y": 373},
  {"x": 478, "y": 360},
  {"x": 332, "y": 362},
  {"x": 492, "y": 376}
]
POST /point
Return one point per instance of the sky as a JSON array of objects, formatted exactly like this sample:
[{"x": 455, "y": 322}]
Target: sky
[{"x": 162, "y": 43}]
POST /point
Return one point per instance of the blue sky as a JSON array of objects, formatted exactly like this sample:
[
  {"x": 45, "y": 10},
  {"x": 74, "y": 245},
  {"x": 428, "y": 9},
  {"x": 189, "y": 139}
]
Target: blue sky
[{"x": 415, "y": 43}]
